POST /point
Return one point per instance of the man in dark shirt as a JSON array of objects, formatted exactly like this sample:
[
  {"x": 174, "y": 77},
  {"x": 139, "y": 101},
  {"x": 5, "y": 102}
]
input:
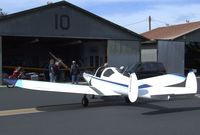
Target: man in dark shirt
[{"x": 74, "y": 71}]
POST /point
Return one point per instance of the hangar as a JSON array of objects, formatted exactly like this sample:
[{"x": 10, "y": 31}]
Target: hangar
[
  {"x": 178, "y": 45},
  {"x": 69, "y": 32}
]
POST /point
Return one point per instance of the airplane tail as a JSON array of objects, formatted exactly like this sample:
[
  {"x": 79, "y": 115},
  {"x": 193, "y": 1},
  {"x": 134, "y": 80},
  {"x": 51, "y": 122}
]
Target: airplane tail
[
  {"x": 191, "y": 82},
  {"x": 163, "y": 93},
  {"x": 133, "y": 88}
]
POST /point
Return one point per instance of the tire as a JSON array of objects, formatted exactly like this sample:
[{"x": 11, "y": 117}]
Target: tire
[
  {"x": 10, "y": 86},
  {"x": 85, "y": 102},
  {"x": 127, "y": 100}
]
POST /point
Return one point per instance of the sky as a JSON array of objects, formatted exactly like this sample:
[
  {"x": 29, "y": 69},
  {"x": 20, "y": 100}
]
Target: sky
[{"x": 131, "y": 14}]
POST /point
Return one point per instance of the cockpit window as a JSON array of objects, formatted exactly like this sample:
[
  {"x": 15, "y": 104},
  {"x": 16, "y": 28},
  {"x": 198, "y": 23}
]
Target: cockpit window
[
  {"x": 99, "y": 71},
  {"x": 108, "y": 73}
]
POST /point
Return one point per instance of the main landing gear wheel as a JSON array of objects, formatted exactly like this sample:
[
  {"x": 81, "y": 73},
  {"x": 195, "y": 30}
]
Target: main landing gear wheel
[
  {"x": 85, "y": 101},
  {"x": 10, "y": 85},
  {"x": 127, "y": 100}
]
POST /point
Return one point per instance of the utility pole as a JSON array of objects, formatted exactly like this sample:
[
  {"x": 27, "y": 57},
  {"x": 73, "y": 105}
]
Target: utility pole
[{"x": 149, "y": 23}]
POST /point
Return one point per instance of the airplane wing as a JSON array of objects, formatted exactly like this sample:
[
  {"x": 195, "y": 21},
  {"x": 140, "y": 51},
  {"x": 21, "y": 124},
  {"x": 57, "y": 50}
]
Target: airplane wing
[
  {"x": 162, "y": 81},
  {"x": 190, "y": 88},
  {"x": 60, "y": 87}
]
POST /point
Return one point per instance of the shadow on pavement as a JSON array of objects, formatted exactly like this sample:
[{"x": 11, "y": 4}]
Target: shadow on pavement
[
  {"x": 78, "y": 106},
  {"x": 119, "y": 102},
  {"x": 172, "y": 110}
]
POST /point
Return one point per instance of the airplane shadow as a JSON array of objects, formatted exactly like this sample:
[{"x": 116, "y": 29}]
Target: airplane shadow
[
  {"x": 78, "y": 106},
  {"x": 172, "y": 110},
  {"x": 158, "y": 110}
]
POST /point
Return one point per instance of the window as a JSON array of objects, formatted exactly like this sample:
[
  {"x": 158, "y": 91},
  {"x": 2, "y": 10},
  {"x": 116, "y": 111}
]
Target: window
[
  {"x": 99, "y": 71},
  {"x": 108, "y": 73}
]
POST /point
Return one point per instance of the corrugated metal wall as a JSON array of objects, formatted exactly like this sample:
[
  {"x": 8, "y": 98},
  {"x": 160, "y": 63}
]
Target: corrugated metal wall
[
  {"x": 148, "y": 55},
  {"x": 123, "y": 52},
  {"x": 172, "y": 55}
]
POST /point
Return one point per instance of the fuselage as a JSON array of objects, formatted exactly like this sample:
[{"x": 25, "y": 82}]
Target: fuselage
[{"x": 109, "y": 80}]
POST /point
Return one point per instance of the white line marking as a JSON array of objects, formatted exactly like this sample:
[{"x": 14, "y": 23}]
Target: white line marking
[{"x": 18, "y": 111}]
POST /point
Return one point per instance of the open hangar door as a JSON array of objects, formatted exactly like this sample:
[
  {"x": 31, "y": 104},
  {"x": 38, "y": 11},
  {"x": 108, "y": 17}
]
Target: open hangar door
[
  {"x": 192, "y": 57},
  {"x": 32, "y": 53}
]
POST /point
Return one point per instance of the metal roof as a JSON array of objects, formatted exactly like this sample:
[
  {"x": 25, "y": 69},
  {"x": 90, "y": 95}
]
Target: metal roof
[{"x": 172, "y": 32}]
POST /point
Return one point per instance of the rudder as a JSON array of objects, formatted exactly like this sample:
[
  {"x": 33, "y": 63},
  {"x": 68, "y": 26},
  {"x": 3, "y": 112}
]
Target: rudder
[
  {"x": 191, "y": 82},
  {"x": 133, "y": 88}
]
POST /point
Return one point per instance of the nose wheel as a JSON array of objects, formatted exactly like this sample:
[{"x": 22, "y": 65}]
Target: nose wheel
[{"x": 85, "y": 101}]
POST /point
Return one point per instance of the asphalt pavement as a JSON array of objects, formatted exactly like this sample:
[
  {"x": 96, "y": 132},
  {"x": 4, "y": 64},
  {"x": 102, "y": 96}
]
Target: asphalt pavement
[{"x": 29, "y": 112}]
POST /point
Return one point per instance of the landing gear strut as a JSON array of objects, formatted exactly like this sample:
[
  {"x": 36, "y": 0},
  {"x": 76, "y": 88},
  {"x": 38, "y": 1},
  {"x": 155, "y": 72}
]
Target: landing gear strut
[{"x": 85, "y": 101}]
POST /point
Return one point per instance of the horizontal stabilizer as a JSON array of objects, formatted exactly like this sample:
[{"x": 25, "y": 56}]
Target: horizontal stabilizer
[
  {"x": 190, "y": 88},
  {"x": 162, "y": 80}
]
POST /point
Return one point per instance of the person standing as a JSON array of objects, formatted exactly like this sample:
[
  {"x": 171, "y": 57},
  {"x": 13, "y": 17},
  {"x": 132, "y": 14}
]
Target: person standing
[
  {"x": 57, "y": 68},
  {"x": 52, "y": 77},
  {"x": 74, "y": 71}
]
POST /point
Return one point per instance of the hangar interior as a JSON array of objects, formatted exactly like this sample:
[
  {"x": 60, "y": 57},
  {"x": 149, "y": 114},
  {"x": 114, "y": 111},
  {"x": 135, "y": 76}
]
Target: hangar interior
[
  {"x": 192, "y": 56},
  {"x": 34, "y": 51}
]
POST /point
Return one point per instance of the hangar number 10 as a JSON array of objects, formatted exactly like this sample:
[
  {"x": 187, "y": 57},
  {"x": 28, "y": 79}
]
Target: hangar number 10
[{"x": 62, "y": 22}]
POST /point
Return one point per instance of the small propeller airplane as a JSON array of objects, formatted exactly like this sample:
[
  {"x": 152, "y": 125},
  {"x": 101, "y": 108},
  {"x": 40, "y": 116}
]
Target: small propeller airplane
[{"x": 111, "y": 82}]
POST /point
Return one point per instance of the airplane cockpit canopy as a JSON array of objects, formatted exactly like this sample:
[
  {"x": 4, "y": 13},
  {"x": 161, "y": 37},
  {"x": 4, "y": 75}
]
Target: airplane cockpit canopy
[
  {"x": 107, "y": 72},
  {"x": 99, "y": 71}
]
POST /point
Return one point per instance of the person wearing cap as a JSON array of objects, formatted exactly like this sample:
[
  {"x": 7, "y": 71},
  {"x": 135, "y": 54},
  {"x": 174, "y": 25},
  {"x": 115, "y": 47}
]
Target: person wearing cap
[
  {"x": 122, "y": 69},
  {"x": 74, "y": 71}
]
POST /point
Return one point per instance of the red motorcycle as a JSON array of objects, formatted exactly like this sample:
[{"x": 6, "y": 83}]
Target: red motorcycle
[{"x": 17, "y": 74}]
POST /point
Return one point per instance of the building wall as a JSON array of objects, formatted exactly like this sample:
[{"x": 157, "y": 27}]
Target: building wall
[
  {"x": 94, "y": 53},
  {"x": 171, "y": 54},
  {"x": 149, "y": 55},
  {"x": 62, "y": 21},
  {"x": 123, "y": 52},
  {"x": 191, "y": 37}
]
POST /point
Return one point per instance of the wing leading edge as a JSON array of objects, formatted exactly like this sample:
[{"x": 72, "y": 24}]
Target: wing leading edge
[
  {"x": 55, "y": 87},
  {"x": 62, "y": 87}
]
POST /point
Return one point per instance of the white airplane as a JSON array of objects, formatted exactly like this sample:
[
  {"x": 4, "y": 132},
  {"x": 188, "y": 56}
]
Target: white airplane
[{"x": 110, "y": 82}]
